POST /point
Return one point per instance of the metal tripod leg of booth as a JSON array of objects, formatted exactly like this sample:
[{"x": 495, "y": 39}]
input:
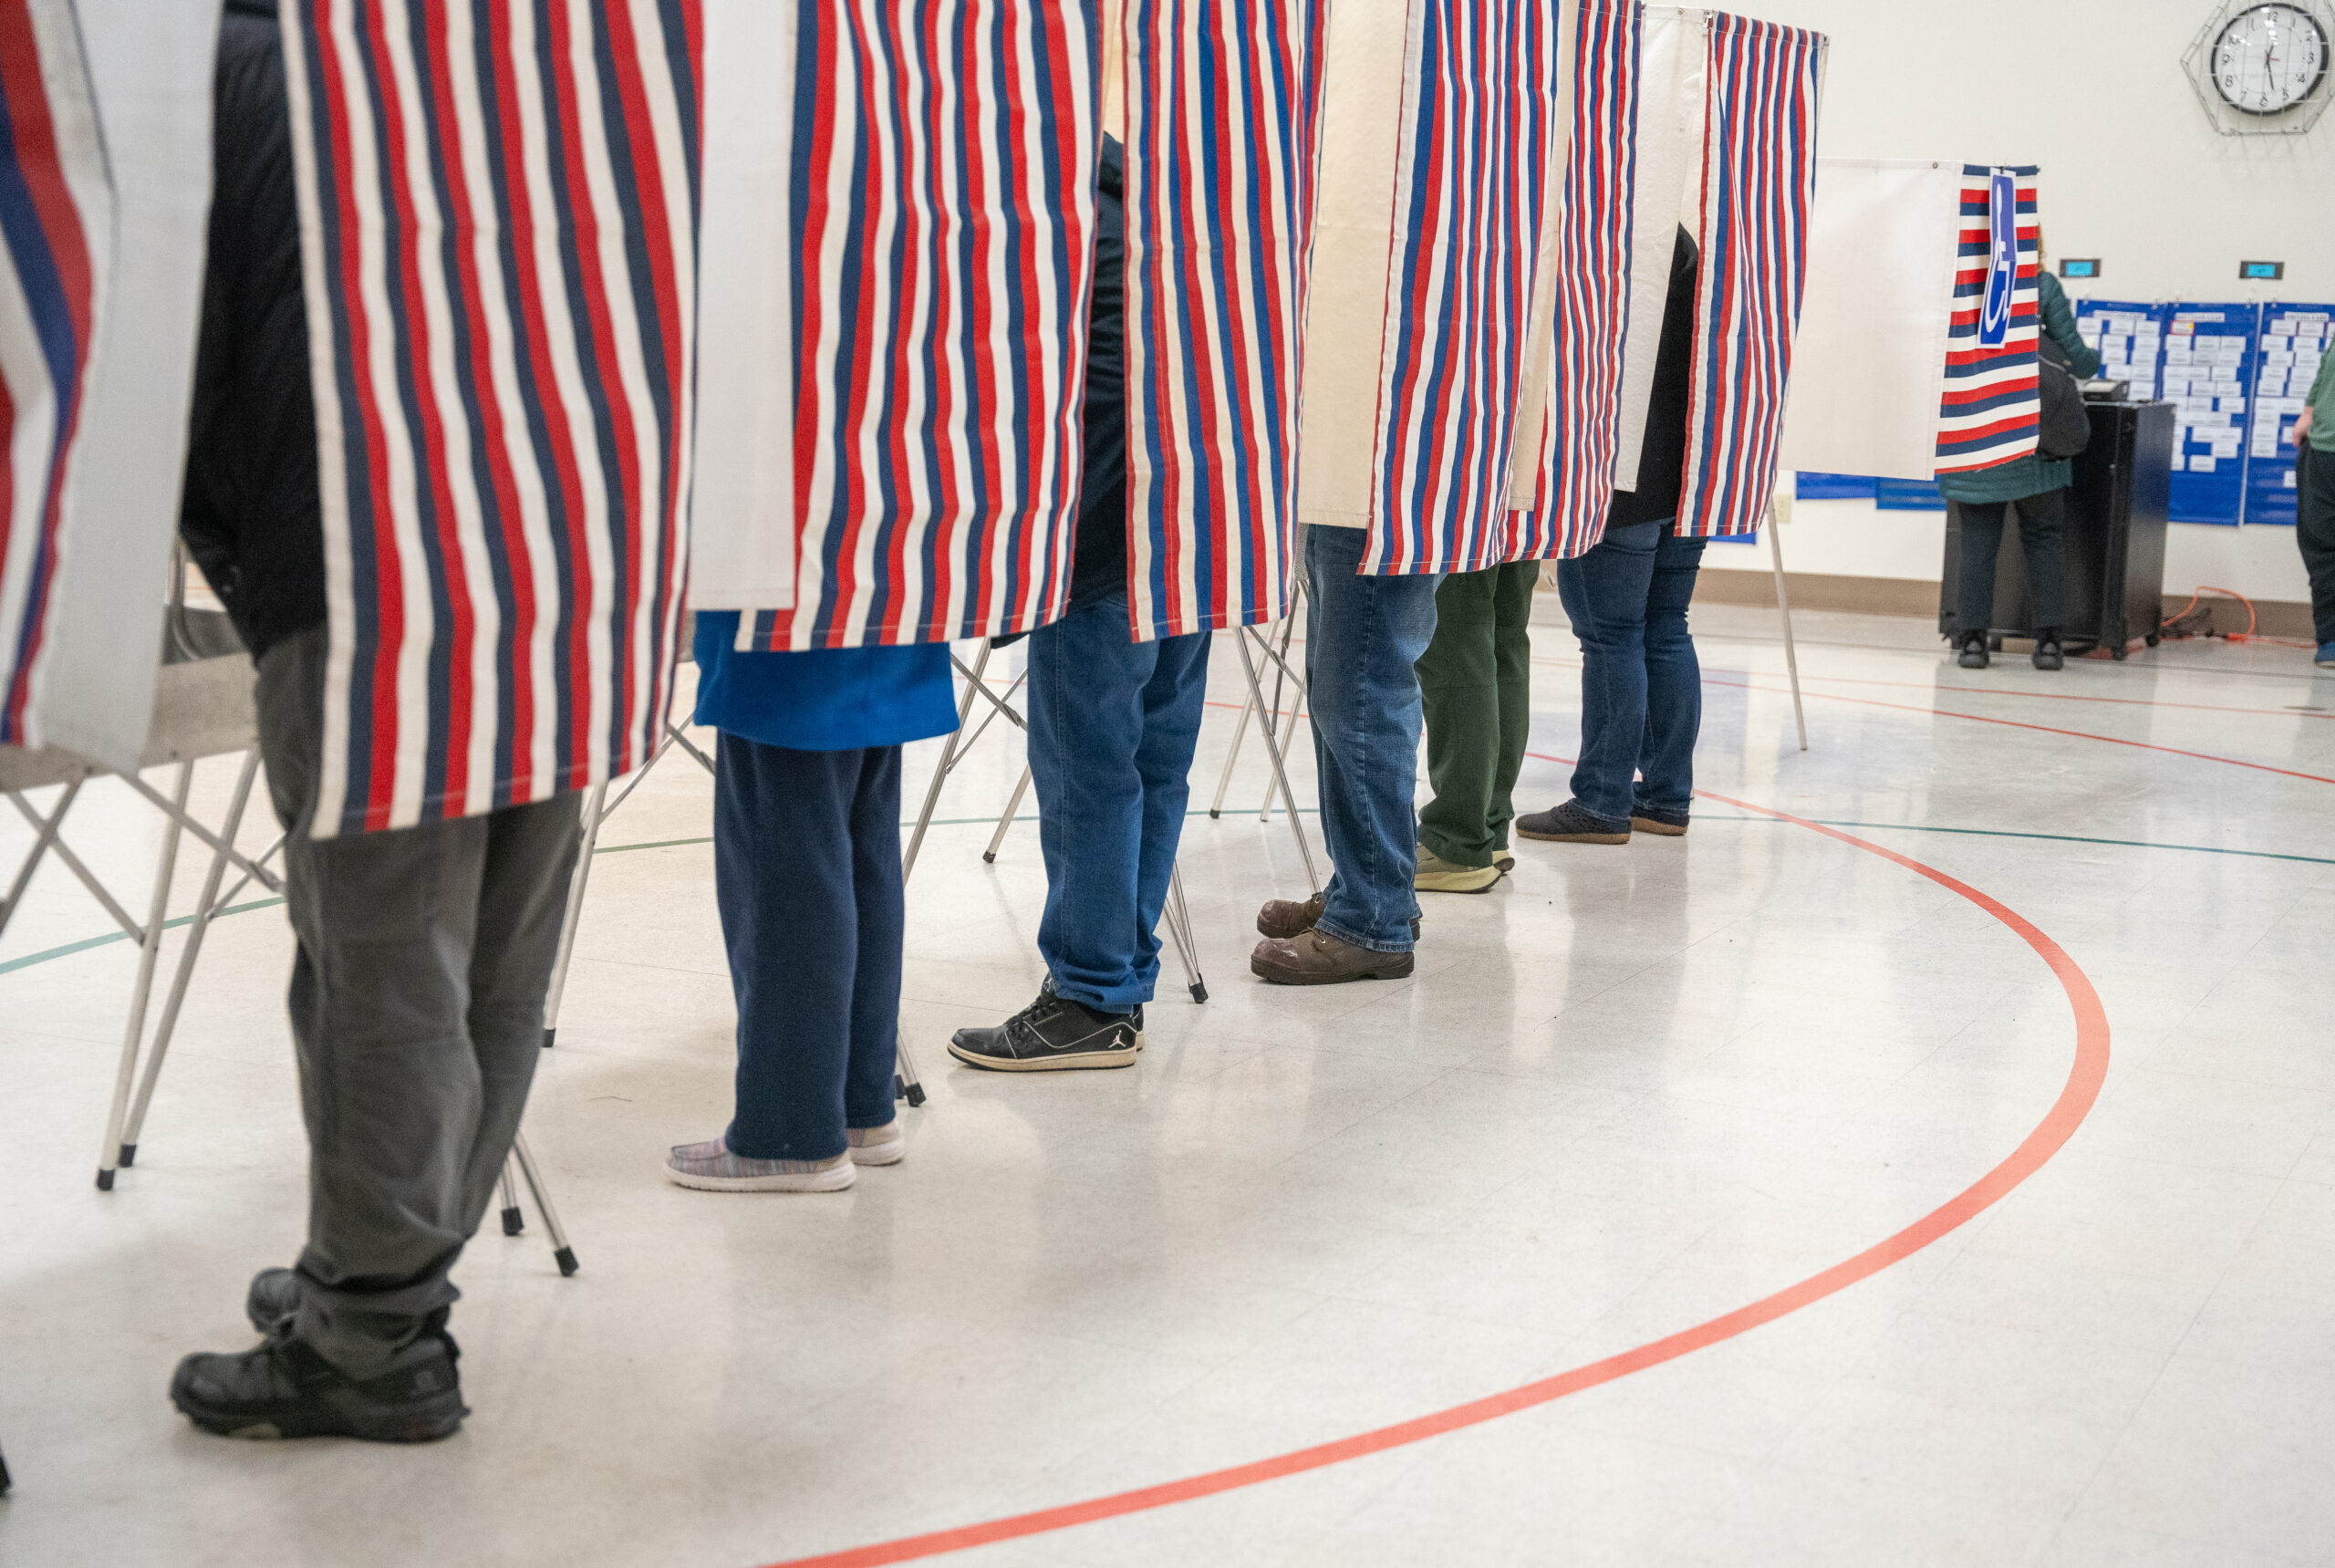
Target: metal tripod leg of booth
[
  {"x": 1179, "y": 931},
  {"x": 514, "y": 1218},
  {"x": 578, "y": 883},
  {"x": 150, "y": 950},
  {"x": 1288, "y": 625},
  {"x": 1272, "y": 733},
  {"x": 562, "y": 1253},
  {"x": 1783, "y": 609},
  {"x": 206, "y": 907},
  {"x": 997, "y": 839}
]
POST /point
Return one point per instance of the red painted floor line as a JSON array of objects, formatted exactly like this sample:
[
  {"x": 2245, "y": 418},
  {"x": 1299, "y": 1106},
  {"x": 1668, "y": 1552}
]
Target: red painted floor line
[
  {"x": 2067, "y": 1113},
  {"x": 2021, "y": 724}
]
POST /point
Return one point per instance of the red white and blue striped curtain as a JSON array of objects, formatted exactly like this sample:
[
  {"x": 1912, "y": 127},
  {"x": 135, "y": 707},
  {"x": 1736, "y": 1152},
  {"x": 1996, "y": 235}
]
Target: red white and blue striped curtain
[
  {"x": 56, "y": 230},
  {"x": 1759, "y": 178},
  {"x": 943, "y": 213},
  {"x": 1582, "y": 429},
  {"x": 498, "y": 209},
  {"x": 1992, "y": 409},
  {"x": 1477, "y": 165},
  {"x": 1223, "y": 109}
]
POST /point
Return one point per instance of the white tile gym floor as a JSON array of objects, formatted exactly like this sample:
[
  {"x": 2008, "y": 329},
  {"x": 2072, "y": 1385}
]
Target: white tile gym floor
[{"x": 1684, "y": 1087}]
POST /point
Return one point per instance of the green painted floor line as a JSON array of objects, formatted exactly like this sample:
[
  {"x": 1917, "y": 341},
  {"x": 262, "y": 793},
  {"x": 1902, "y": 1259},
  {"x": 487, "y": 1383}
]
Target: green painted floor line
[
  {"x": 86, "y": 943},
  {"x": 2054, "y": 838}
]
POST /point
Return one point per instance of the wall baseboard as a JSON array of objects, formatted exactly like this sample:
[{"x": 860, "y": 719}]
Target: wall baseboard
[{"x": 1910, "y": 597}]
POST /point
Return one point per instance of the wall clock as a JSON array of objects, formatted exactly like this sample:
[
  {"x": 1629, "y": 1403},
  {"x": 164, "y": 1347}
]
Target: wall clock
[{"x": 2261, "y": 66}]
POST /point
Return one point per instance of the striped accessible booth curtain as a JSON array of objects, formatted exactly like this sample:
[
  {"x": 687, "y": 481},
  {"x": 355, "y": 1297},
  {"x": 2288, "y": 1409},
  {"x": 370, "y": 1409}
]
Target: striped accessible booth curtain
[
  {"x": 498, "y": 206},
  {"x": 1992, "y": 409},
  {"x": 939, "y": 210},
  {"x": 56, "y": 230}
]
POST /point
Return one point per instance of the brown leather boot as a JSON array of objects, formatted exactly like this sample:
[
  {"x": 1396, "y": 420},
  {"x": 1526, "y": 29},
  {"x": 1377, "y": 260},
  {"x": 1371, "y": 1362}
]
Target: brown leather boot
[
  {"x": 1286, "y": 918},
  {"x": 1317, "y": 957}
]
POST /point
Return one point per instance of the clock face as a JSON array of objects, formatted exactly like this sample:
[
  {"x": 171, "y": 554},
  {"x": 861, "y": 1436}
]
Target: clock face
[{"x": 2268, "y": 59}]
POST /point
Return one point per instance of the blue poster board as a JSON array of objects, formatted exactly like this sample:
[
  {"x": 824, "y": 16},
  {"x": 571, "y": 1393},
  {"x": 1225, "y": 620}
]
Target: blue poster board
[
  {"x": 2130, "y": 336},
  {"x": 2294, "y": 338},
  {"x": 2210, "y": 351},
  {"x": 1908, "y": 495},
  {"x": 1833, "y": 487}
]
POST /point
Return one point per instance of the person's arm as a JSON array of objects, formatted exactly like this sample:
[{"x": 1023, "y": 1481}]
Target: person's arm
[
  {"x": 2322, "y": 390},
  {"x": 2060, "y": 321}
]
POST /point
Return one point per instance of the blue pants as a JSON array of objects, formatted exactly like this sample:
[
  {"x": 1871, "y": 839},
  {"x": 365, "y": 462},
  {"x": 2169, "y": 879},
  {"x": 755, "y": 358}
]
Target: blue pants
[
  {"x": 1364, "y": 637},
  {"x": 807, "y": 869},
  {"x": 1641, "y": 686},
  {"x": 1113, "y": 722}
]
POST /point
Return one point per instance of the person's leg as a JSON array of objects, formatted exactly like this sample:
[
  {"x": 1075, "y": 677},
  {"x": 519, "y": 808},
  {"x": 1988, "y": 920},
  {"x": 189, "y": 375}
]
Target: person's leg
[
  {"x": 2314, "y": 533},
  {"x": 1604, "y": 593},
  {"x": 1365, "y": 635},
  {"x": 1512, "y": 654},
  {"x": 1459, "y": 692},
  {"x": 1982, "y": 540},
  {"x": 784, "y": 879},
  {"x": 1674, "y": 707},
  {"x": 1173, "y": 700},
  {"x": 869, "y": 1112},
  {"x": 1087, "y": 677},
  {"x": 2042, "y": 533}
]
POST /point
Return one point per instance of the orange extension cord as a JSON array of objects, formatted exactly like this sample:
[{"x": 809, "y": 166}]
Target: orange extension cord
[{"x": 2251, "y": 620}]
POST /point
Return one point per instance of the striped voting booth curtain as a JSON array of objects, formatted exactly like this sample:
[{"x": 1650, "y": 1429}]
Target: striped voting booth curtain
[
  {"x": 1758, "y": 175},
  {"x": 56, "y": 226},
  {"x": 1992, "y": 409},
  {"x": 498, "y": 210},
  {"x": 1578, "y": 448},
  {"x": 1478, "y": 149},
  {"x": 1223, "y": 119},
  {"x": 942, "y": 205}
]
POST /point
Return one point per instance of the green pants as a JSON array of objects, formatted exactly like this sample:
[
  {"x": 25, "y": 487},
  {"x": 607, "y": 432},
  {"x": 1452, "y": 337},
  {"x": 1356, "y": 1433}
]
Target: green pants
[{"x": 1476, "y": 680}]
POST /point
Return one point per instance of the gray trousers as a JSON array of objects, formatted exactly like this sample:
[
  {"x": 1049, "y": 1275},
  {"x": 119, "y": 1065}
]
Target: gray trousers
[{"x": 417, "y": 1012}]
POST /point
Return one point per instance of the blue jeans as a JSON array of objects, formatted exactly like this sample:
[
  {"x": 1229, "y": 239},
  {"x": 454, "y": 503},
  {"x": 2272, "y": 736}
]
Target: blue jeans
[
  {"x": 1364, "y": 637},
  {"x": 1641, "y": 687},
  {"x": 806, "y": 871},
  {"x": 1113, "y": 722}
]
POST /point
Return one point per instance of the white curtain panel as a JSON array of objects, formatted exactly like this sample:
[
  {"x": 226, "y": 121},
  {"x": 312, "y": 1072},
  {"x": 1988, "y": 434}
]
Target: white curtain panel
[
  {"x": 1673, "y": 86},
  {"x": 1869, "y": 372},
  {"x": 150, "y": 63}
]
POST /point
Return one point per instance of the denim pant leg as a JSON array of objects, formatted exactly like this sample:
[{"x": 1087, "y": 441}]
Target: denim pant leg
[
  {"x": 1364, "y": 638},
  {"x": 786, "y": 880},
  {"x": 1605, "y": 593},
  {"x": 1087, "y": 677},
  {"x": 1673, "y": 678},
  {"x": 882, "y": 904},
  {"x": 1173, "y": 700}
]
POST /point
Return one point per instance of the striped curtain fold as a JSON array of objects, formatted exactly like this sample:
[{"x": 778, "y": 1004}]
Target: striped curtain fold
[
  {"x": 56, "y": 234},
  {"x": 1477, "y": 166},
  {"x": 1224, "y": 104},
  {"x": 942, "y": 207},
  {"x": 1992, "y": 409},
  {"x": 1758, "y": 175},
  {"x": 498, "y": 204},
  {"x": 1579, "y": 445}
]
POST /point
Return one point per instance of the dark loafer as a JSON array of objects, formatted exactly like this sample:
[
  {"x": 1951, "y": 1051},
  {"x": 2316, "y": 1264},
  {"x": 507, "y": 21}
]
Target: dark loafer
[
  {"x": 1317, "y": 957},
  {"x": 1572, "y": 823}
]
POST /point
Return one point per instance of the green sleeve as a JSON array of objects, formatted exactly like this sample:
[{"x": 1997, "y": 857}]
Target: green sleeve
[
  {"x": 2321, "y": 397},
  {"x": 2060, "y": 321}
]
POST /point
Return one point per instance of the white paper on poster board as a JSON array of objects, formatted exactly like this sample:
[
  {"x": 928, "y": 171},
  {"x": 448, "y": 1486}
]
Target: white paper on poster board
[
  {"x": 1674, "y": 83},
  {"x": 1354, "y": 248},
  {"x": 1869, "y": 368},
  {"x": 742, "y": 531},
  {"x": 149, "y": 62}
]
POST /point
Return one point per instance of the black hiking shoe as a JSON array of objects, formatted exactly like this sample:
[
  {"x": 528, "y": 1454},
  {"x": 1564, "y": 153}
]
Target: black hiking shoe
[
  {"x": 1660, "y": 820},
  {"x": 1974, "y": 652},
  {"x": 274, "y": 1298},
  {"x": 282, "y": 1388},
  {"x": 1052, "y": 1033},
  {"x": 1572, "y": 823}
]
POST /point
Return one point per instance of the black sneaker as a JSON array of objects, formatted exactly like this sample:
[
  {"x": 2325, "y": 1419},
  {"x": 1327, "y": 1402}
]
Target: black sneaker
[
  {"x": 1659, "y": 819},
  {"x": 1572, "y": 823},
  {"x": 282, "y": 1388},
  {"x": 1052, "y": 1033},
  {"x": 272, "y": 1299},
  {"x": 1974, "y": 652},
  {"x": 2049, "y": 654}
]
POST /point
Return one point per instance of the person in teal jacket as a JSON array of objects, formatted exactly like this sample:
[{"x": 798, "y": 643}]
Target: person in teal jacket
[
  {"x": 2037, "y": 487},
  {"x": 2315, "y": 502}
]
